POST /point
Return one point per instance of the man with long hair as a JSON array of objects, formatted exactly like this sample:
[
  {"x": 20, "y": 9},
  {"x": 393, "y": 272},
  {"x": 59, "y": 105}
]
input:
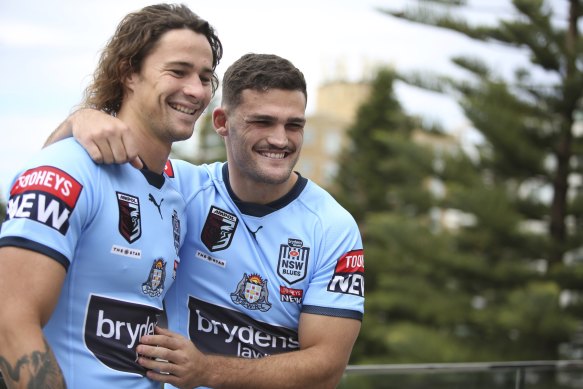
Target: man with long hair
[{"x": 89, "y": 251}]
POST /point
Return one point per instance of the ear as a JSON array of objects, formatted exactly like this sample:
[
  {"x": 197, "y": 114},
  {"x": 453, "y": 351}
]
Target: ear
[
  {"x": 130, "y": 81},
  {"x": 220, "y": 121}
]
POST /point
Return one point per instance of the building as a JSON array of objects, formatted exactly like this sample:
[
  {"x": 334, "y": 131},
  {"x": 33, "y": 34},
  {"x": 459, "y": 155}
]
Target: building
[{"x": 337, "y": 103}]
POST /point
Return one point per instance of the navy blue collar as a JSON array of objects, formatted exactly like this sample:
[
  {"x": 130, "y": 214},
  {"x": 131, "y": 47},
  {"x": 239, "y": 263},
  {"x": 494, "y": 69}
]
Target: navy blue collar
[{"x": 259, "y": 210}]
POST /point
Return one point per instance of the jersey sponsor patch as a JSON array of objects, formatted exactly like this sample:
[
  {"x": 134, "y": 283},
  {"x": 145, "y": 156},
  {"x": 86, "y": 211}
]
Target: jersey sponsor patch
[
  {"x": 44, "y": 194},
  {"x": 169, "y": 169},
  {"x": 130, "y": 220},
  {"x": 126, "y": 251},
  {"x": 219, "y": 228},
  {"x": 348, "y": 275},
  {"x": 211, "y": 259},
  {"x": 252, "y": 293},
  {"x": 176, "y": 230},
  {"x": 293, "y": 261},
  {"x": 113, "y": 329},
  {"x": 154, "y": 285},
  {"x": 220, "y": 330},
  {"x": 290, "y": 295}
]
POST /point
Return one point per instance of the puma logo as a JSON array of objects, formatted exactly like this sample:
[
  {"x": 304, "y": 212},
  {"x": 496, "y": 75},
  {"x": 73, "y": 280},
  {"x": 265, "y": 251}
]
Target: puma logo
[
  {"x": 254, "y": 232},
  {"x": 153, "y": 200}
]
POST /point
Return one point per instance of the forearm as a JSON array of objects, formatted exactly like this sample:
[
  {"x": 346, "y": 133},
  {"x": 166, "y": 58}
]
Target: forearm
[
  {"x": 298, "y": 369},
  {"x": 27, "y": 361}
]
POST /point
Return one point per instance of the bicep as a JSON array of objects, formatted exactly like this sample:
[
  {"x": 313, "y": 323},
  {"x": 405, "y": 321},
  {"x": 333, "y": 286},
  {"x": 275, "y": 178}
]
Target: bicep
[
  {"x": 30, "y": 284},
  {"x": 333, "y": 337}
]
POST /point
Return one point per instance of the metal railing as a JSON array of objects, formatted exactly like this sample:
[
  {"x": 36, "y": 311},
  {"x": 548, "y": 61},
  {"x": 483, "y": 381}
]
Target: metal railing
[{"x": 566, "y": 374}]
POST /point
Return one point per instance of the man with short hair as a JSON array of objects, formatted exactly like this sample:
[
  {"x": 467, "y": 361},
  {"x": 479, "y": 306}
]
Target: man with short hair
[{"x": 270, "y": 289}]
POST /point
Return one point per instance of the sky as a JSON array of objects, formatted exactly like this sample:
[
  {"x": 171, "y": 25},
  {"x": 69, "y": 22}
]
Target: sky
[{"x": 49, "y": 49}]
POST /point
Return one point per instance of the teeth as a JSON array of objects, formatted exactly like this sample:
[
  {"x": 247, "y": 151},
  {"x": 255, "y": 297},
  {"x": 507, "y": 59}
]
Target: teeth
[
  {"x": 275, "y": 155},
  {"x": 183, "y": 109}
]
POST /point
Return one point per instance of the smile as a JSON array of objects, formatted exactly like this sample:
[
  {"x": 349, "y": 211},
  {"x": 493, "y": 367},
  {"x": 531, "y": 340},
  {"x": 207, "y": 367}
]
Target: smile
[
  {"x": 182, "y": 108},
  {"x": 274, "y": 155}
]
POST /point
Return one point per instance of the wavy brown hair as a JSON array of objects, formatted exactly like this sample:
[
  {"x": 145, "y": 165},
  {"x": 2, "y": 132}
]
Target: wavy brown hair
[{"x": 135, "y": 36}]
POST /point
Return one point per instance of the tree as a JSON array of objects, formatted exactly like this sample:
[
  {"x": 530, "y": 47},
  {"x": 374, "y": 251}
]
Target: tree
[
  {"x": 414, "y": 278},
  {"x": 531, "y": 148},
  {"x": 495, "y": 286},
  {"x": 381, "y": 153}
]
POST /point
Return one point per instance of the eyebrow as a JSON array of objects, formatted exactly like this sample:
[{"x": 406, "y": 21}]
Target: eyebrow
[
  {"x": 296, "y": 120},
  {"x": 189, "y": 65}
]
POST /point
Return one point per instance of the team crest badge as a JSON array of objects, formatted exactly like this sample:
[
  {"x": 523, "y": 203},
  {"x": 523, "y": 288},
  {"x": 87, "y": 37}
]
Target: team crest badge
[
  {"x": 252, "y": 293},
  {"x": 293, "y": 261},
  {"x": 154, "y": 285},
  {"x": 130, "y": 224},
  {"x": 218, "y": 230}
]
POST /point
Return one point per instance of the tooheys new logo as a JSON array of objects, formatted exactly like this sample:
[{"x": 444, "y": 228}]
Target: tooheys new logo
[
  {"x": 113, "y": 329},
  {"x": 348, "y": 275},
  {"x": 44, "y": 194},
  {"x": 221, "y": 330}
]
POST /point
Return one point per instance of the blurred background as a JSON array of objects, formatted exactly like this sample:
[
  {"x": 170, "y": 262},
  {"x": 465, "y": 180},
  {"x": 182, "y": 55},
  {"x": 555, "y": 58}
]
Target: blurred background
[{"x": 452, "y": 130}]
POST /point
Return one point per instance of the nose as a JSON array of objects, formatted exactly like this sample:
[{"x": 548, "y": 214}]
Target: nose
[
  {"x": 278, "y": 136},
  {"x": 194, "y": 87}
]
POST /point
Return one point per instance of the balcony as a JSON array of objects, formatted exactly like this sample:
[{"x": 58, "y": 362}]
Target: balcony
[{"x": 487, "y": 375}]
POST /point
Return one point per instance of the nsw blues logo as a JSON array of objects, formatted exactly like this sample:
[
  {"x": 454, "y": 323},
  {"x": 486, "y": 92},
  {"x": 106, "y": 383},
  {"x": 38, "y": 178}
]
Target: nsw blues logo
[
  {"x": 293, "y": 261},
  {"x": 218, "y": 230},
  {"x": 252, "y": 293},
  {"x": 130, "y": 222},
  {"x": 154, "y": 285}
]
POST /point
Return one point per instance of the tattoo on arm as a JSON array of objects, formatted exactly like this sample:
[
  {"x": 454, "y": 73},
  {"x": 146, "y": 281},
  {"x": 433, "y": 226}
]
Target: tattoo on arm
[{"x": 39, "y": 369}]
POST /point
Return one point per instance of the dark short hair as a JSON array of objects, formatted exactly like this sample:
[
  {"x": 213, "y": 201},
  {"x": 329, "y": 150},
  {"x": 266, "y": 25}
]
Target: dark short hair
[
  {"x": 135, "y": 37},
  {"x": 260, "y": 72}
]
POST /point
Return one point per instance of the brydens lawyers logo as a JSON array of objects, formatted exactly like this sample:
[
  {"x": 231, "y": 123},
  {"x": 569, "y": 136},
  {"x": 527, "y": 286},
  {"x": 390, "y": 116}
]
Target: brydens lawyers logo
[
  {"x": 113, "y": 329},
  {"x": 130, "y": 224},
  {"x": 44, "y": 194}
]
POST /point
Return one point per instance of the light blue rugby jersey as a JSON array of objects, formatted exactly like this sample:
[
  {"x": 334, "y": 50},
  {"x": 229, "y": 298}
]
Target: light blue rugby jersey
[
  {"x": 117, "y": 231},
  {"x": 248, "y": 271}
]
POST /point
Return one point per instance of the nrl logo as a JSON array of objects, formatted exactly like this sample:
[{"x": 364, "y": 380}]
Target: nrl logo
[
  {"x": 252, "y": 293},
  {"x": 130, "y": 225},
  {"x": 218, "y": 230}
]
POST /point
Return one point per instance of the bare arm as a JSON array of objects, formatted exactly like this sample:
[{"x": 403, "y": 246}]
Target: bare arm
[
  {"x": 106, "y": 138},
  {"x": 30, "y": 284},
  {"x": 325, "y": 347}
]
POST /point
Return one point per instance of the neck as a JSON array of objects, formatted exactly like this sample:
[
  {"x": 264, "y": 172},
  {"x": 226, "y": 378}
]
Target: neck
[
  {"x": 152, "y": 151},
  {"x": 259, "y": 193}
]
